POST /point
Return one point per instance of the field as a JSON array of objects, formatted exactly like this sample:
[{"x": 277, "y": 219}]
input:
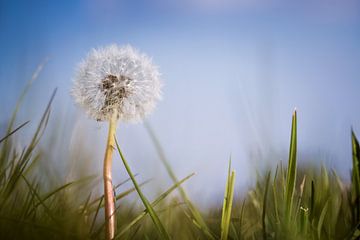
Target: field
[{"x": 288, "y": 203}]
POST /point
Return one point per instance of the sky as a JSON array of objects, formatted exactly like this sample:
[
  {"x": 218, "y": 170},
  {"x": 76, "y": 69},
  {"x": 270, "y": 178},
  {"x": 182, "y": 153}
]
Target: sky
[{"x": 233, "y": 72}]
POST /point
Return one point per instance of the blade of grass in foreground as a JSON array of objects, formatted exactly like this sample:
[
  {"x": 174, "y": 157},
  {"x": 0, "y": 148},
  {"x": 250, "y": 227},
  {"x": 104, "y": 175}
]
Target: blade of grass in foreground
[
  {"x": 321, "y": 219},
  {"x": 14, "y": 131},
  {"x": 37, "y": 196},
  {"x": 196, "y": 218},
  {"x": 355, "y": 181},
  {"x": 6, "y": 145},
  {"x": 57, "y": 190},
  {"x": 25, "y": 158},
  {"x": 24, "y": 92},
  {"x": 115, "y": 188},
  {"x": 291, "y": 172},
  {"x": 117, "y": 197},
  {"x": 264, "y": 205},
  {"x": 154, "y": 203},
  {"x": 227, "y": 205},
  {"x": 159, "y": 226}
]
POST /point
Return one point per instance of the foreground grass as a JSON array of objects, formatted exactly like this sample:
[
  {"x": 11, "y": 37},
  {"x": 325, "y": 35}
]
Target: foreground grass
[{"x": 285, "y": 204}]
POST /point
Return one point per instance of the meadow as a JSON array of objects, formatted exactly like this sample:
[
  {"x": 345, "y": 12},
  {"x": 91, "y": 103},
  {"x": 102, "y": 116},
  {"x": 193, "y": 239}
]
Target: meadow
[{"x": 288, "y": 203}]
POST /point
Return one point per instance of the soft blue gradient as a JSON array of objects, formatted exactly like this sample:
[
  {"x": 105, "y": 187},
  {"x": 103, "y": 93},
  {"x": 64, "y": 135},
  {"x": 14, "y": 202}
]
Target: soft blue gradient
[{"x": 233, "y": 73}]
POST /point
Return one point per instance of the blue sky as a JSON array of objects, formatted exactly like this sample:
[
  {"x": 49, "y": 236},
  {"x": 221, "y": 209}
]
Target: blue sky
[{"x": 233, "y": 72}]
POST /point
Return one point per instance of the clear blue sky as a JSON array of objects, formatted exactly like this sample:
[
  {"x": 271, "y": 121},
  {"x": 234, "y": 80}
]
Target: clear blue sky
[{"x": 233, "y": 72}]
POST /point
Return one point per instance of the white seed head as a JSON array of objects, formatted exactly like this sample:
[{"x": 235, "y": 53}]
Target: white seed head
[{"x": 117, "y": 78}]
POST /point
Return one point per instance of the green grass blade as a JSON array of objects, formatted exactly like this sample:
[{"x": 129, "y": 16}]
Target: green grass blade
[
  {"x": 227, "y": 204},
  {"x": 52, "y": 193},
  {"x": 95, "y": 216},
  {"x": 196, "y": 215},
  {"x": 291, "y": 173},
  {"x": 355, "y": 179},
  {"x": 275, "y": 196},
  {"x": 35, "y": 193},
  {"x": 153, "y": 204},
  {"x": 23, "y": 94},
  {"x": 117, "y": 197},
  {"x": 115, "y": 188},
  {"x": 312, "y": 200},
  {"x": 264, "y": 205},
  {"x": 25, "y": 158},
  {"x": 159, "y": 226},
  {"x": 13, "y": 131},
  {"x": 321, "y": 219},
  {"x": 241, "y": 216}
]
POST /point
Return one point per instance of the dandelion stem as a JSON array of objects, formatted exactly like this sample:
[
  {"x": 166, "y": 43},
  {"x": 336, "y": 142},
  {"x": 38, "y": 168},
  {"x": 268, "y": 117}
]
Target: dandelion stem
[{"x": 108, "y": 187}]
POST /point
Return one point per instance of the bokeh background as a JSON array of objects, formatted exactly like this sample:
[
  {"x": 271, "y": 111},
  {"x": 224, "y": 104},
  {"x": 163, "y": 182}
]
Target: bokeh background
[{"x": 233, "y": 72}]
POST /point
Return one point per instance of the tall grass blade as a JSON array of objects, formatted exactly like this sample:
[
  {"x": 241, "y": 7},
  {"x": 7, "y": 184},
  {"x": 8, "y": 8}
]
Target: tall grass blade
[
  {"x": 321, "y": 219},
  {"x": 24, "y": 92},
  {"x": 264, "y": 205},
  {"x": 227, "y": 204},
  {"x": 35, "y": 193},
  {"x": 274, "y": 190},
  {"x": 241, "y": 216},
  {"x": 291, "y": 172},
  {"x": 95, "y": 216},
  {"x": 355, "y": 179},
  {"x": 196, "y": 215},
  {"x": 312, "y": 200},
  {"x": 101, "y": 198},
  {"x": 4, "y": 151},
  {"x": 153, "y": 204},
  {"x": 52, "y": 193},
  {"x": 117, "y": 197},
  {"x": 159, "y": 226},
  {"x": 20, "y": 166},
  {"x": 13, "y": 131}
]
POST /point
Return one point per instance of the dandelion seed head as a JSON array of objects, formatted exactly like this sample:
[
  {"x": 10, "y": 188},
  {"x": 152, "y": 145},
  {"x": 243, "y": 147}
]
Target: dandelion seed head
[{"x": 117, "y": 78}]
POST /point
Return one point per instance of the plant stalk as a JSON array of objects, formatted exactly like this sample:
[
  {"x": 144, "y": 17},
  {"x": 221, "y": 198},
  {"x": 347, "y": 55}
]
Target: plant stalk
[{"x": 110, "y": 221}]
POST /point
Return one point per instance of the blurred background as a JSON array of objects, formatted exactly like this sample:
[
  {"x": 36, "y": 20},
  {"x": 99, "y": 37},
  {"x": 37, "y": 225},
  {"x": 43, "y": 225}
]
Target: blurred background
[{"x": 233, "y": 72}]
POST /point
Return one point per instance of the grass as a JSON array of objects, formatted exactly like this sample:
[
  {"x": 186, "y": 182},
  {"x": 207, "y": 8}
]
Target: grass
[
  {"x": 227, "y": 204},
  {"x": 289, "y": 203}
]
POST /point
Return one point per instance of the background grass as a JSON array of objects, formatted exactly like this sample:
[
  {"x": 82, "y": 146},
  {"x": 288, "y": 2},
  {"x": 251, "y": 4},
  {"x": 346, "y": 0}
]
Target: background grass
[{"x": 289, "y": 203}]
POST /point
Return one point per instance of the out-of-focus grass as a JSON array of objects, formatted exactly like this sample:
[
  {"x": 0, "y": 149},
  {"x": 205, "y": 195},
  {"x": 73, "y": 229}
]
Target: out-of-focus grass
[{"x": 290, "y": 203}]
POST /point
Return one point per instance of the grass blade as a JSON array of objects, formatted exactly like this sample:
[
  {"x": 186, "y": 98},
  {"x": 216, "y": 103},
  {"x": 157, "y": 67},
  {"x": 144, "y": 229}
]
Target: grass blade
[
  {"x": 159, "y": 226},
  {"x": 264, "y": 205},
  {"x": 24, "y": 92},
  {"x": 321, "y": 219},
  {"x": 355, "y": 179},
  {"x": 291, "y": 173},
  {"x": 46, "y": 208},
  {"x": 117, "y": 197},
  {"x": 154, "y": 203},
  {"x": 227, "y": 204},
  {"x": 196, "y": 215},
  {"x": 13, "y": 131}
]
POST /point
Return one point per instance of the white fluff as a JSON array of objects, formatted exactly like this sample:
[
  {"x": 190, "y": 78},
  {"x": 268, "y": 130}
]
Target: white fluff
[{"x": 119, "y": 78}]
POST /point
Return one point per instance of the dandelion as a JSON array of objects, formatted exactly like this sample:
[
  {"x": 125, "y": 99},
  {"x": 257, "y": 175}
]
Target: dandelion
[{"x": 115, "y": 84}]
